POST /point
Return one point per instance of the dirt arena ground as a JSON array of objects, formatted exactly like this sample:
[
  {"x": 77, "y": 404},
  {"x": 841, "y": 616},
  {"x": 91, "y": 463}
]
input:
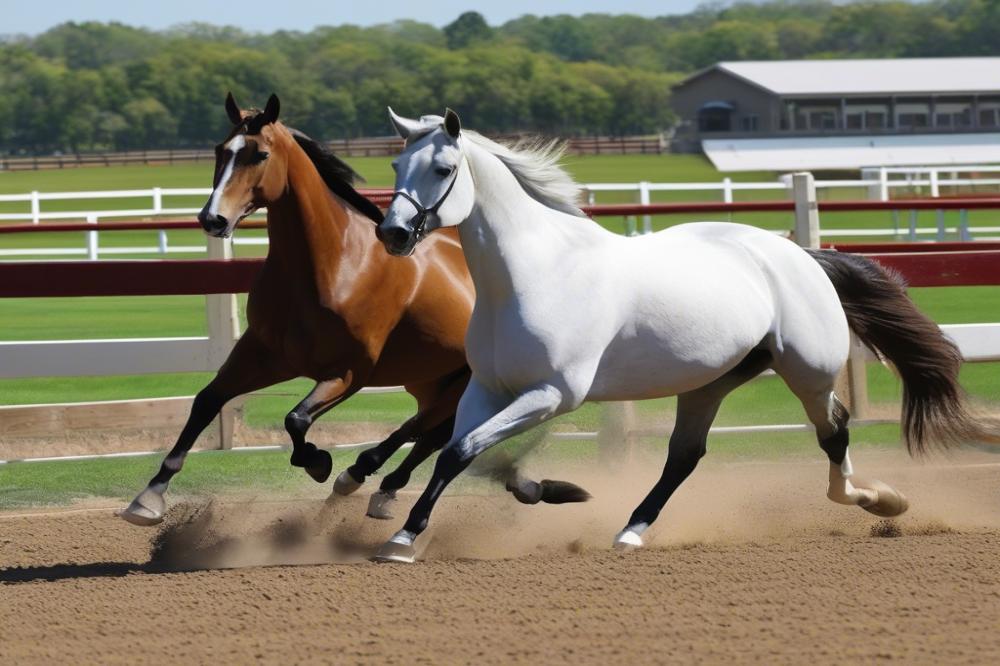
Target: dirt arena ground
[{"x": 749, "y": 562}]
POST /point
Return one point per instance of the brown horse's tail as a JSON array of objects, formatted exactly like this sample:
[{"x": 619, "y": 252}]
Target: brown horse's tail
[{"x": 880, "y": 313}]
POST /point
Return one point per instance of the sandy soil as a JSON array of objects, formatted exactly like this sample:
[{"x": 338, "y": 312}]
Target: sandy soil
[{"x": 749, "y": 562}]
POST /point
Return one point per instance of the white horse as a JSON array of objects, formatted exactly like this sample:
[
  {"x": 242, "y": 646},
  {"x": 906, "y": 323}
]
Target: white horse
[{"x": 567, "y": 312}]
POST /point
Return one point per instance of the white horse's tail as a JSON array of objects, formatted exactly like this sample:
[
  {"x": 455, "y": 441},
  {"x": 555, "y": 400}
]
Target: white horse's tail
[{"x": 880, "y": 313}]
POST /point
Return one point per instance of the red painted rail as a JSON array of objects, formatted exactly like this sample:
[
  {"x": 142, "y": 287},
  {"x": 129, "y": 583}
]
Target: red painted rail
[
  {"x": 206, "y": 276},
  {"x": 381, "y": 197},
  {"x": 127, "y": 278}
]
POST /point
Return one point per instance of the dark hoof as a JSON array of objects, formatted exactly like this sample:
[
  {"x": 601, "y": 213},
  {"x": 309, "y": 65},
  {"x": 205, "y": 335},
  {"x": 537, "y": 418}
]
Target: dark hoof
[
  {"x": 320, "y": 467},
  {"x": 562, "y": 492}
]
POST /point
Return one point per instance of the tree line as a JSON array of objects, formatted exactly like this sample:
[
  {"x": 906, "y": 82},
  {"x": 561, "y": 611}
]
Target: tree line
[{"x": 91, "y": 86}]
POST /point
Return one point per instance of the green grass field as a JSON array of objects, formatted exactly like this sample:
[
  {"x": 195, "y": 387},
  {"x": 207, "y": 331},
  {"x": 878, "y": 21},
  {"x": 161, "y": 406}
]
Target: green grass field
[{"x": 764, "y": 401}]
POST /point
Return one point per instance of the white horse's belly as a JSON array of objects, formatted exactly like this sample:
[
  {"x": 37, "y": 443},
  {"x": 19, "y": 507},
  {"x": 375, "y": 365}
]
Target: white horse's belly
[
  {"x": 678, "y": 353},
  {"x": 693, "y": 316}
]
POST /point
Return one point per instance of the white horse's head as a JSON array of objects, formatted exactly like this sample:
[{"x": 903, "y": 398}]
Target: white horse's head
[{"x": 434, "y": 186}]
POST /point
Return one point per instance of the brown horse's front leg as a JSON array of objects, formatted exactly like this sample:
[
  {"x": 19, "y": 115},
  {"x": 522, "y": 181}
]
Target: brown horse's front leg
[
  {"x": 325, "y": 396},
  {"x": 249, "y": 367}
]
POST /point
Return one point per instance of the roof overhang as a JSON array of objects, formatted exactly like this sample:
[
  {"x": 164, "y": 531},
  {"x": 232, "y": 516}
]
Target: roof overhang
[{"x": 853, "y": 152}]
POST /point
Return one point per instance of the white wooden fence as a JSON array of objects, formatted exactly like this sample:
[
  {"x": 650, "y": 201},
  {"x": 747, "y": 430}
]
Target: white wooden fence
[
  {"x": 878, "y": 184},
  {"x": 978, "y": 342}
]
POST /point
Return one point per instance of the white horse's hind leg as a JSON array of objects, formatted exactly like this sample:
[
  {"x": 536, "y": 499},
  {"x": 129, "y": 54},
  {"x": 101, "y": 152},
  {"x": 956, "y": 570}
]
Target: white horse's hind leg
[
  {"x": 695, "y": 412},
  {"x": 830, "y": 418}
]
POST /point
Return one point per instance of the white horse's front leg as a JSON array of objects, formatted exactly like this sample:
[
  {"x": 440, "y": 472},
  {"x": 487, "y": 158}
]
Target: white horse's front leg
[{"x": 524, "y": 412}]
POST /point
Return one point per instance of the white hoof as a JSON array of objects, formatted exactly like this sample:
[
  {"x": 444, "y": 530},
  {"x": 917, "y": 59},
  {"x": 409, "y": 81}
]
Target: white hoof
[
  {"x": 888, "y": 503},
  {"x": 398, "y": 549},
  {"x": 627, "y": 540},
  {"x": 380, "y": 505},
  {"x": 345, "y": 483},
  {"x": 146, "y": 509}
]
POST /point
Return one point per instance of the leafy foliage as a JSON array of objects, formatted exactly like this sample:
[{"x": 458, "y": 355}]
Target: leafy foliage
[{"x": 83, "y": 86}]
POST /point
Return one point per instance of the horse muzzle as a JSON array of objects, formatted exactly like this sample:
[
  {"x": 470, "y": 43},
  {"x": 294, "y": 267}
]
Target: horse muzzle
[
  {"x": 214, "y": 225},
  {"x": 399, "y": 239}
]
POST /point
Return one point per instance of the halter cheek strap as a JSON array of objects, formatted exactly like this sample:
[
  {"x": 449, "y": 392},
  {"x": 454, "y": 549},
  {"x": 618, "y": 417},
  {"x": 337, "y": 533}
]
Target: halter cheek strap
[{"x": 419, "y": 221}]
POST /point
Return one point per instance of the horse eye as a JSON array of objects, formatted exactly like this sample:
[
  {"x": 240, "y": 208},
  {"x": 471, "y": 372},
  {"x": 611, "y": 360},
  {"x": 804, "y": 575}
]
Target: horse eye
[
  {"x": 259, "y": 157},
  {"x": 443, "y": 171}
]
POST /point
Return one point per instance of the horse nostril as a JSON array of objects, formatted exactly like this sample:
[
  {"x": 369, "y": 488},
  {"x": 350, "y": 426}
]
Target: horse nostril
[{"x": 396, "y": 236}]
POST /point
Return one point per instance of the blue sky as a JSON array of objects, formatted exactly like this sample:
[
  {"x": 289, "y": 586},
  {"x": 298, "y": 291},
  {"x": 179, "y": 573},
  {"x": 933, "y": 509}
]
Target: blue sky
[{"x": 34, "y": 16}]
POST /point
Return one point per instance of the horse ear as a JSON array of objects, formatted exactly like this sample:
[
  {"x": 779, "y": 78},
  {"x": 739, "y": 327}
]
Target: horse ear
[
  {"x": 233, "y": 109},
  {"x": 404, "y": 126},
  {"x": 271, "y": 110},
  {"x": 452, "y": 124}
]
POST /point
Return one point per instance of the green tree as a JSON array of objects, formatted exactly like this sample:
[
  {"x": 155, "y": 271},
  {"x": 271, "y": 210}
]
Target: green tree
[{"x": 466, "y": 30}]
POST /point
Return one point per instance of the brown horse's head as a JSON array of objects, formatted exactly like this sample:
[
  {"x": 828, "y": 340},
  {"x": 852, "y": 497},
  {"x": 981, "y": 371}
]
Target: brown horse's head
[{"x": 250, "y": 168}]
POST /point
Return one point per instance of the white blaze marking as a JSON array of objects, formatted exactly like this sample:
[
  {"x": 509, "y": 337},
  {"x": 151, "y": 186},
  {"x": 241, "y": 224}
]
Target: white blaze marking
[{"x": 234, "y": 146}]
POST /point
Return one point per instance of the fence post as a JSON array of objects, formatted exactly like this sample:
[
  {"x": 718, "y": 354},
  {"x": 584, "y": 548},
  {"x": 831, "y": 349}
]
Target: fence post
[
  {"x": 158, "y": 210},
  {"x": 615, "y": 441},
  {"x": 883, "y": 184},
  {"x": 223, "y": 331},
  {"x": 647, "y": 221},
  {"x": 92, "y": 239},
  {"x": 935, "y": 188},
  {"x": 857, "y": 381},
  {"x": 35, "y": 208},
  {"x": 727, "y": 189},
  {"x": 806, "y": 210}
]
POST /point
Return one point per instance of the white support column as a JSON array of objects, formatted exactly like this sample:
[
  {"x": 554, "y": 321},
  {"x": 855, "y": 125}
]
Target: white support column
[
  {"x": 223, "y": 331},
  {"x": 883, "y": 184},
  {"x": 92, "y": 239},
  {"x": 35, "y": 208},
  {"x": 727, "y": 190},
  {"x": 647, "y": 221},
  {"x": 158, "y": 210},
  {"x": 857, "y": 381},
  {"x": 806, "y": 210},
  {"x": 935, "y": 189}
]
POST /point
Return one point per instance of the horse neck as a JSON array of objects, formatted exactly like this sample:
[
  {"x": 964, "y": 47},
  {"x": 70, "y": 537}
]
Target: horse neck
[
  {"x": 510, "y": 239},
  {"x": 310, "y": 231}
]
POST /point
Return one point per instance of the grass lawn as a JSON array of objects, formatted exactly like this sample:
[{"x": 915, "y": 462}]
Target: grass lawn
[{"x": 763, "y": 401}]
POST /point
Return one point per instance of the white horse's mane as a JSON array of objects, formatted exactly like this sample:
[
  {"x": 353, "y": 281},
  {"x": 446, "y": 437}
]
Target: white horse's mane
[{"x": 535, "y": 165}]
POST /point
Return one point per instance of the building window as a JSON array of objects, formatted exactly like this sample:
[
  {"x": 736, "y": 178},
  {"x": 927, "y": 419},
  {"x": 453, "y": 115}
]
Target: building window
[
  {"x": 823, "y": 120},
  {"x": 910, "y": 120},
  {"x": 875, "y": 119},
  {"x": 988, "y": 118},
  {"x": 748, "y": 123}
]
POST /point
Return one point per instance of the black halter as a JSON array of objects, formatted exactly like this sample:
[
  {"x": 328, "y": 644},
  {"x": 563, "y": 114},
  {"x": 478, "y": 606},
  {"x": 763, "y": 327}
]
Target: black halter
[{"x": 419, "y": 221}]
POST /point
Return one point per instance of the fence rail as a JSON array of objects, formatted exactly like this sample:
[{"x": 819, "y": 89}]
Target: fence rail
[
  {"x": 361, "y": 147},
  {"x": 957, "y": 265}
]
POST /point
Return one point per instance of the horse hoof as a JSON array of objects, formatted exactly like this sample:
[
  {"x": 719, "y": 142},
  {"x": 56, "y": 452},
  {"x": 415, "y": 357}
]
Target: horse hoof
[
  {"x": 380, "y": 505},
  {"x": 320, "y": 466},
  {"x": 627, "y": 540},
  {"x": 396, "y": 552},
  {"x": 345, "y": 484},
  {"x": 146, "y": 509},
  {"x": 889, "y": 502}
]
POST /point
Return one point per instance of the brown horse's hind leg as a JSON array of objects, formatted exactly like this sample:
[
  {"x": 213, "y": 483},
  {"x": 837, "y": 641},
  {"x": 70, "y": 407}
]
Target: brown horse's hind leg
[
  {"x": 436, "y": 404},
  {"x": 325, "y": 396},
  {"x": 427, "y": 443},
  {"x": 247, "y": 369}
]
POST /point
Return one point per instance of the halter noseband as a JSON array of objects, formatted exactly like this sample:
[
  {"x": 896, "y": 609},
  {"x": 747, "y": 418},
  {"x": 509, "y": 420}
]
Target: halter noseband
[{"x": 419, "y": 221}]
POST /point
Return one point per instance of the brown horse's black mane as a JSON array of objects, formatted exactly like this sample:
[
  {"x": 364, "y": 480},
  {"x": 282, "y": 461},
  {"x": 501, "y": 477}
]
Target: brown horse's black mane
[{"x": 337, "y": 175}]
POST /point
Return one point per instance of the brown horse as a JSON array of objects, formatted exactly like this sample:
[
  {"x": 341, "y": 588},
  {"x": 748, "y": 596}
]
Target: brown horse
[{"x": 329, "y": 304}]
